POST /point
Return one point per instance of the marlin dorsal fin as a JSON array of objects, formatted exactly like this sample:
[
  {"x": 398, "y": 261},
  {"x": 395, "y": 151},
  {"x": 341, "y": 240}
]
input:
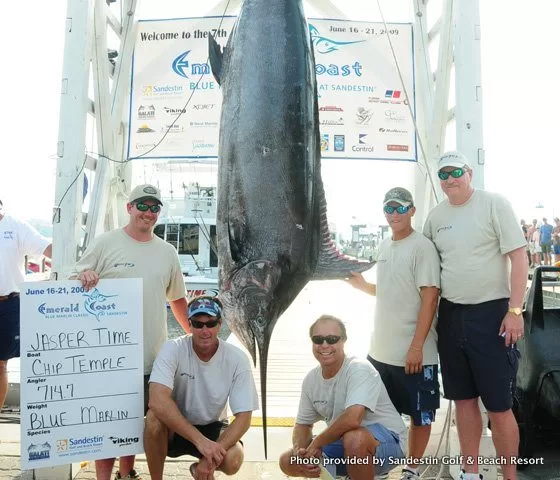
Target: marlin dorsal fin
[{"x": 216, "y": 56}]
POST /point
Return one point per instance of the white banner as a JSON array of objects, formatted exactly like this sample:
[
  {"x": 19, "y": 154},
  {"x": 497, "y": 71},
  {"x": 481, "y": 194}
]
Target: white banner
[
  {"x": 82, "y": 391},
  {"x": 175, "y": 102}
]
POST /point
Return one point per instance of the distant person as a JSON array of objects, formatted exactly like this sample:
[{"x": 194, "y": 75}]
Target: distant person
[
  {"x": 525, "y": 229},
  {"x": 349, "y": 395},
  {"x": 530, "y": 231},
  {"x": 407, "y": 290},
  {"x": 546, "y": 241},
  {"x": 193, "y": 379},
  {"x": 17, "y": 239},
  {"x": 135, "y": 252},
  {"x": 556, "y": 240},
  {"x": 483, "y": 282},
  {"x": 537, "y": 249}
]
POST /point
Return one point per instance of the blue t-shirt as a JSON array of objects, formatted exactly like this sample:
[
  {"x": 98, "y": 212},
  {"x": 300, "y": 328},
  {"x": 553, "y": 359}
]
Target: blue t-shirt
[{"x": 546, "y": 234}]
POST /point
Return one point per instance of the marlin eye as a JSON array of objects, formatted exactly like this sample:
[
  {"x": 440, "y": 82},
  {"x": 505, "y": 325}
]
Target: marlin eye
[{"x": 261, "y": 321}]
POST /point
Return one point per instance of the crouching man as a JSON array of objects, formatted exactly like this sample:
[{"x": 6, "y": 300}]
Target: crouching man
[
  {"x": 364, "y": 434},
  {"x": 192, "y": 379}
]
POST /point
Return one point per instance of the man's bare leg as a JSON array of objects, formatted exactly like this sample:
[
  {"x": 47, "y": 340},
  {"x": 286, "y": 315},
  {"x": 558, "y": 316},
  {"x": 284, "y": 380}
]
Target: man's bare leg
[
  {"x": 505, "y": 435},
  {"x": 104, "y": 468},
  {"x": 360, "y": 443},
  {"x": 156, "y": 435},
  {"x": 469, "y": 429},
  {"x": 3, "y": 381}
]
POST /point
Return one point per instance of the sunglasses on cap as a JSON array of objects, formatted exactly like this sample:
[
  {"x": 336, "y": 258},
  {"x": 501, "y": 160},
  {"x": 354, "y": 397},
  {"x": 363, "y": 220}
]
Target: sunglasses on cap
[
  {"x": 144, "y": 208},
  {"x": 198, "y": 324},
  {"x": 330, "y": 339},
  {"x": 457, "y": 173},
  {"x": 401, "y": 209}
]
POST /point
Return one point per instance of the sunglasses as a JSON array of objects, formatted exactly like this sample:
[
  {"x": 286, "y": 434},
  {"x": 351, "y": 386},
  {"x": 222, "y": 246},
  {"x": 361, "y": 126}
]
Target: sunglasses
[
  {"x": 457, "y": 173},
  {"x": 144, "y": 208},
  {"x": 198, "y": 324},
  {"x": 330, "y": 339},
  {"x": 401, "y": 209}
]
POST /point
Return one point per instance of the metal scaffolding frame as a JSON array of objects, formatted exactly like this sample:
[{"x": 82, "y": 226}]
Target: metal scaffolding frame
[{"x": 91, "y": 25}]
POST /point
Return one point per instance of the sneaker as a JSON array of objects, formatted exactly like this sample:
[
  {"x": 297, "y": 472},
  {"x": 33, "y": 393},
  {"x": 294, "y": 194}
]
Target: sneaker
[
  {"x": 407, "y": 474},
  {"x": 132, "y": 474},
  {"x": 470, "y": 476}
]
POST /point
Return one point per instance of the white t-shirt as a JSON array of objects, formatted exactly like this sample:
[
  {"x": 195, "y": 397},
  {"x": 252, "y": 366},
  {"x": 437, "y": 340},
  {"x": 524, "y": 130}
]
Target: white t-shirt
[
  {"x": 202, "y": 389},
  {"x": 403, "y": 267},
  {"x": 17, "y": 239},
  {"x": 473, "y": 241},
  {"x": 356, "y": 383},
  {"x": 116, "y": 254}
]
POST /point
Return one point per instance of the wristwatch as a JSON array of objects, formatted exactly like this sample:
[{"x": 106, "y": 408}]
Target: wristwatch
[{"x": 515, "y": 310}]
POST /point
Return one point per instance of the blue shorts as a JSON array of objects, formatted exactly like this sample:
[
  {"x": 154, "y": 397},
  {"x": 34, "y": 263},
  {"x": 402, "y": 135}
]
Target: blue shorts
[
  {"x": 474, "y": 359},
  {"x": 388, "y": 448},
  {"x": 9, "y": 328},
  {"x": 556, "y": 249},
  {"x": 416, "y": 395}
]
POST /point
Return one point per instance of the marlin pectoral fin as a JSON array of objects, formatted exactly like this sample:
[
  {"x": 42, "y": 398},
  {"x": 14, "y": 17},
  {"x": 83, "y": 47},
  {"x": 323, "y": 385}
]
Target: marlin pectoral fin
[{"x": 216, "y": 56}]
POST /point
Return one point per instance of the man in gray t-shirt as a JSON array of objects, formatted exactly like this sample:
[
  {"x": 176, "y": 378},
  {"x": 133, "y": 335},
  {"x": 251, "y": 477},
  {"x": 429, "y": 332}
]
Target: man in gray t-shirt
[
  {"x": 364, "y": 431},
  {"x": 483, "y": 280}
]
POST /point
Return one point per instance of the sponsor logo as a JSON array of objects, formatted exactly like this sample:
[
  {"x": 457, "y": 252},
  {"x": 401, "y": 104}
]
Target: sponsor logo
[
  {"x": 144, "y": 128},
  {"x": 66, "y": 447},
  {"x": 339, "y": 142},
  {"x": 202, "y": 145},
  {"x": 123, "y": 442},
  {"x": 392, "y": 94},
  {"x": 62, "y": 445},
  {"x": 363, "y": 116},
  {"x": 339, "y": 121},
  {"x": 172, "y": 128},
  {"x": 330, "y": 108},
  {"x": 397, "y": 148},
  {"x": 144, "y": 146},
  {"x": 362, "y": 138},
  {"x": 363, "y": 144},
  {"x": 204, "y": 106},
  {"x": 392, "y": 131},
  {"x": 174, "y": 111},
  {"x": 325, "y": 142},
  {"x": 393, "y": 116},
  {"x": 388, "y": 100},
  {"x": 39, "y": 452},
  {"x": 146, "y": 112},
  {"x": 161, "y": 90},
  {"x": 204, "y": 124},
  {"x": 98, "y": 304},
  {"x": 326, "y": 45}
]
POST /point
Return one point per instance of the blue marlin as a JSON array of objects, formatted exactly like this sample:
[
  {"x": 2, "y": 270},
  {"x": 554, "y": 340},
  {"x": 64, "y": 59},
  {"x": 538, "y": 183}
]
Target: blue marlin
[{"x": 272, "y": 229}]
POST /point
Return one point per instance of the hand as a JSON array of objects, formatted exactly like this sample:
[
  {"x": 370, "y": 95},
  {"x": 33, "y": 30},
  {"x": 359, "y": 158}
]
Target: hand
[
  {"x": 204, "y": 471},
  {"x": 212, "y": 452},
  {"x": 89, "y": 279},
  {"x": 413, "y": 361},
  {"x": 306, "y": 470},
  {"x": 313, "y": 451},
  {"x": 357, "y": 280},
  {"x": 512, "y": 327}
]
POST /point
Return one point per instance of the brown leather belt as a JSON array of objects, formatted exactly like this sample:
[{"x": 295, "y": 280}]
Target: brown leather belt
[{"x": 3, "y": 298}]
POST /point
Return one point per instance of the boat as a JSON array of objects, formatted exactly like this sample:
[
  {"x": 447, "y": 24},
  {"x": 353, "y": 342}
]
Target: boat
[{"x": 189, "y": 224}]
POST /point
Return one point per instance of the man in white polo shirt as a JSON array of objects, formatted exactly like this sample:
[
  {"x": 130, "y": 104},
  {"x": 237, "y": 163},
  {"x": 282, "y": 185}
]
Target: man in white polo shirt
[
  {"x": 17, "y": 239},
  {"x": 192, "y": 380}
]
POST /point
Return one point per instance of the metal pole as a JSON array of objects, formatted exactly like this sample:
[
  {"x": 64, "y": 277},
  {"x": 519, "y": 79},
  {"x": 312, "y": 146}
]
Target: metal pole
[{"x": 468, "y": 89}]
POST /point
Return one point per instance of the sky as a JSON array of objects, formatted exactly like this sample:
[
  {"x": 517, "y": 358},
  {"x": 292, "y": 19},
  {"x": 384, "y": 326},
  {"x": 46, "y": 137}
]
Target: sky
[{"x": 519, "y": 74}]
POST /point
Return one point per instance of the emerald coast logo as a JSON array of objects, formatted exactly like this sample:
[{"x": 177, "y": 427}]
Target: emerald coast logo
[{"x": 98, "y": 304}]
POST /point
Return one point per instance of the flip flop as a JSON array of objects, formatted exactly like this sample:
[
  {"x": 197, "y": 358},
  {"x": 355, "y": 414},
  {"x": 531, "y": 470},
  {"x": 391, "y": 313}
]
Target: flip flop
[{"x": 192, "y": 468}]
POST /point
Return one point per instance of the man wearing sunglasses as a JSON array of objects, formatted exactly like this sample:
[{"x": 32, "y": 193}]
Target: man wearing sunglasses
[
  {"x": 364, "y": 434},
  {"x": 192, "y": 380},
  {"x": 403, "y": 342},
  {"x": 135, "y": 252},
  {"x": 483, "y": 280}
]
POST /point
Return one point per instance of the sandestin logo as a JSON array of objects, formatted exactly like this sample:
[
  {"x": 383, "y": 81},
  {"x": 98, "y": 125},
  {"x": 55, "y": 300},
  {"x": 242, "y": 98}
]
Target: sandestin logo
[
  {"x": 324, "y": 44},
  {"x": 181, "y": 64}
]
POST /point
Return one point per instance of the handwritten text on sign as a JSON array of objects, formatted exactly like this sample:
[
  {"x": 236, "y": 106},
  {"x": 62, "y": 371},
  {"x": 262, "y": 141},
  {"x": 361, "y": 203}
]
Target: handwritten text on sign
[{"x": 81, "y": 366}]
